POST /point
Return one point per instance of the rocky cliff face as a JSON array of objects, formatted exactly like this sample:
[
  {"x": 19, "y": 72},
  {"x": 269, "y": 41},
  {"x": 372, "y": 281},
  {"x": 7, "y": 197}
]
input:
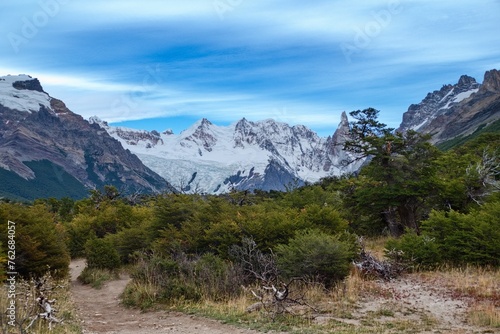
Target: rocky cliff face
[
  {"x": 37, "y": 127},
  {"x": 265, "y": 155},
  {"x": 456, "y": 110}
]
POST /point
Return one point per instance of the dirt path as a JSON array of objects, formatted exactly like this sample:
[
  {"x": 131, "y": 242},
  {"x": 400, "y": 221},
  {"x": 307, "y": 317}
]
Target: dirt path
[{"x": 101, "y": 312}]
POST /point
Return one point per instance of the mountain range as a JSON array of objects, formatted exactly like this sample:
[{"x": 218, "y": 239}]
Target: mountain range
[
  {"x": 48, "y": 151},
  {"x": 266, "y": 155}
]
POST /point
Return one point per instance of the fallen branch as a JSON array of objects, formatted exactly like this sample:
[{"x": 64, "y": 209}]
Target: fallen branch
[
  {"x": 277, "y": 301},
  {"x": 48, "y": 313},
  {"x": 371, "y": 266}
]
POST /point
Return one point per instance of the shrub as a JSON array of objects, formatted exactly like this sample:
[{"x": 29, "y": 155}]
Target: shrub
[
  {"x": 455, "y": 238},
  {"x": 412, "y": 249},
  {"x": 218, "y": 279},
  {"x": 315, "y": 254},
  {"x": 101, "y": 254},
  {"x": 96, "y": 277},
  {"x": 140, "y": 294},
  {"x": 40, "y": 243},
  {"x": 129, "y": 241},
  {"x": 179, "y": 277}
]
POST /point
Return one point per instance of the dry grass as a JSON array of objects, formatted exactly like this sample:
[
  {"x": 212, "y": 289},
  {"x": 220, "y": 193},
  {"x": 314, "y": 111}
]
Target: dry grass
[
  {"x": 484, "y": 314},
  {"x": 96, "y": 277},
  {"x": 343, "y": 309},
  {"x": 140, "y": 294},
  {"x": 480, "y": 286},
  {"x": 27, "y": 307},
  {"x": 362, "y": 305},
  {"x": 344, "y": 298},
  {"x": 471, "y": 281},
  {"x": 376, "y": 246}
]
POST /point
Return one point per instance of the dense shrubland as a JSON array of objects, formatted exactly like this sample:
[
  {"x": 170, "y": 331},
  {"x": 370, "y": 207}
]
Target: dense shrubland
[{"x": 440, "y": 207}]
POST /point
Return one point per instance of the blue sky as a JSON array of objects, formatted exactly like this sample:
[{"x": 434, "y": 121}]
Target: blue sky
[{"x": 158, "y": 64}]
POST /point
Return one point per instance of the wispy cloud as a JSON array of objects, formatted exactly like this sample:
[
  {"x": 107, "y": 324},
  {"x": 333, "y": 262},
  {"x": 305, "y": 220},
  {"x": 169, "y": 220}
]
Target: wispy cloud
[{"x": 127, "y": 59}]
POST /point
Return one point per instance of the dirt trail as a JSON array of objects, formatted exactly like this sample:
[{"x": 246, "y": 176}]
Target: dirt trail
[{"x": 101, "y": 312}]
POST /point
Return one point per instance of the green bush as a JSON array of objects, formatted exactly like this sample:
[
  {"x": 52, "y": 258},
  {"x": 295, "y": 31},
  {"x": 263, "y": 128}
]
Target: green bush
[
  {"x": 455, "y": 238},
  {"x": 318, "y": 255},
  {"x": 101, "y": 254},
  {"x": 96, "y": 277},
  {"x": 415, "y": 250},
  {"x": 178, "y": 289},
  {"x": 129, "y": 241},
  {"x": 40, "y": 243}
]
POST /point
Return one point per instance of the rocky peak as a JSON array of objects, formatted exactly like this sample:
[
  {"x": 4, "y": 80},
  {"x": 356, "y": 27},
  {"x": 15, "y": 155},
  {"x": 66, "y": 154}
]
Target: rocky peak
[
  {"x": 336, "y": 143},
  {"x": 343, "y": 129},
  {"x": 242, "y": 125},
  {"x": 98, "y": 121},
  {"x": 23, "y": 93},
  {"x": 466, "y": 82},
  {"x": 205, "y": 123},
  {"x": 270, "y": 126},
  {"x": 244, "y": 131},
  {"x": 437, "y": 103},
  {"x": 467, "y": 106},
  {"x": 201, "y": 133},
  {"x": 38, "y": 129},
  {"x": 304, "y": 132},
  {"x": 32, "y": 84},
  {"x": 491, "y": 82}
]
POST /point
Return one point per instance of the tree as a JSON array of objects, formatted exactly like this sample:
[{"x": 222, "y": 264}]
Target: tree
[
  {"x": 367, "y": 135},
  {"x": 470, "y": 173},
  {"x": 101, "y": 254},
  {"x": 40, "y": 242},
  {"x": 401, "y": 173}
]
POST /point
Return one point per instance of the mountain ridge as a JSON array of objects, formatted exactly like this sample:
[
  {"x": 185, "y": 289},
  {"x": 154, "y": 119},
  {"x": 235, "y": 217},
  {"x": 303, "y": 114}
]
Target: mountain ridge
[
  {"x": 206, "y": 158},
  {"x": 266, "y": 155},
  {"x": 35, "y": 127},
  {"x": 456, "y": 110}
]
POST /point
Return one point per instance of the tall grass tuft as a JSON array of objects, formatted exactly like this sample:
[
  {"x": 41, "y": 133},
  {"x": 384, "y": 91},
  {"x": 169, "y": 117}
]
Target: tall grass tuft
[
  {"x": 484, "y": 314},
  {"x": 27, "y": 307},
  {"x": 96, "y": 277}
]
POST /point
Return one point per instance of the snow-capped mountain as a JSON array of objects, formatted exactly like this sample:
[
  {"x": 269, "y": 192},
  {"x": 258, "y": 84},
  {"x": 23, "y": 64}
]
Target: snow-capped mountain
[
  {"x": 437, "y": 103},
  {"x": 456, "y": 110},
  {"x": 265, "y": 155},
  {"x": 47, "y": 150}
]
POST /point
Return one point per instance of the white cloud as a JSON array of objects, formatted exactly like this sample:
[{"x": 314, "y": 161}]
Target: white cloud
[{"x": 279, "y": 59}]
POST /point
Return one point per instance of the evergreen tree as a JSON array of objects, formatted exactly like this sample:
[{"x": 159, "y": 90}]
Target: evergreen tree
[
  {"x": 401, "y": 177},
  {"x": 40, "y": 242}
]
